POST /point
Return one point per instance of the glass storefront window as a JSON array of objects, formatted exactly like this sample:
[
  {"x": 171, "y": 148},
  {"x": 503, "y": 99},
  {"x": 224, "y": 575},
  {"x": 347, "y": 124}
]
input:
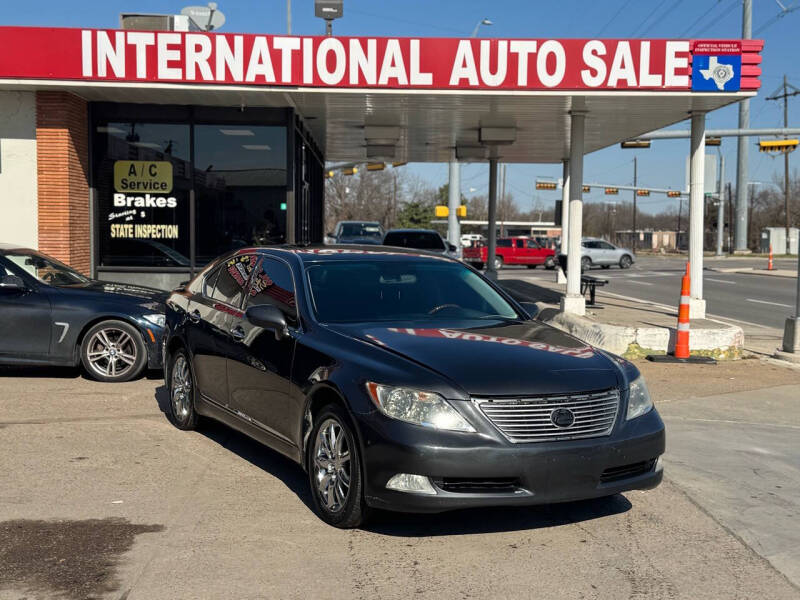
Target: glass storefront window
[
  {"x": 142, "y": 181},
  {"x": 240, "y": 187}
]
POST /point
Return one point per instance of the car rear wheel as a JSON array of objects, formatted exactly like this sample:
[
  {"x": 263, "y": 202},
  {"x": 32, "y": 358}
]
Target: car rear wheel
[
  {"x": 531, "y": 266},
  {"x": 586, "y": 263},
  {"x": 549, "y": 263},
  {"x": 498, "y": 263},
  {"x": 180, "y": 380},
  {"x": 113, "y": 351},
  {"x": 334, "y": 470},
  {"x": 625, "y": 262}
]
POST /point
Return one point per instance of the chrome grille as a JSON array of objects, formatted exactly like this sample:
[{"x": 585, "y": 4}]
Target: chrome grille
[{"x": 530, "y": 419}]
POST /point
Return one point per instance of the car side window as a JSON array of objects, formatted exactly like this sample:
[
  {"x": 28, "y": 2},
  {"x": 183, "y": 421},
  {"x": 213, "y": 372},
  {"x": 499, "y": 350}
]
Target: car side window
[
  {"x": 272, "y": 284},
  {"x": 533, "y": 244},
  {"x": 520, "y": 243},
  {"x": 592, "y": 245},
  {"x": 209, "y": 282},
  {"x": 606, "y": 246},
  {"x": 504, "y": 243},
  {"x": 233, "y": 278}
]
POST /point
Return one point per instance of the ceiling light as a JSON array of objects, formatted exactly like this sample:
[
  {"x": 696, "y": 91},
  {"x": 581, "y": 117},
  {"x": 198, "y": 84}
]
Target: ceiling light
[
  {"x": 256, "y": 147},
  {"x": 470, "y": 152},
  {"x": 382, "y": 132},
  {"x": 380, "y": 151},
  {"x": 497, "y": 135},
  {"x": 236, "y": 132}
]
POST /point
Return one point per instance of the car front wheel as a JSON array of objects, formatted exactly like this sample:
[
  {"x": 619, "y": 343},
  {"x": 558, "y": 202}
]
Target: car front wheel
[
  {"x": 549, "y": 263},
  {"x": 586, "y": 263},
  {"x": 625, "y": 262},
  {"x": 334, "y": 470},
  {"x": 498, "y": 263},
  {"x": 113, "y": 351},
  {"x": 180, "y": 383}
]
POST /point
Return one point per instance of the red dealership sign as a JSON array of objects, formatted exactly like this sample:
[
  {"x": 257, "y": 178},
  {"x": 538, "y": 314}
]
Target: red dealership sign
[{"x": 363, "y": 62}]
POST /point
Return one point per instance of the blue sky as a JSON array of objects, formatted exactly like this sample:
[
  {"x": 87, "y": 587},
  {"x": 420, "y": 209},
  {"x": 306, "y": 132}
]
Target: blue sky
[{"x": 661, "y": 166}]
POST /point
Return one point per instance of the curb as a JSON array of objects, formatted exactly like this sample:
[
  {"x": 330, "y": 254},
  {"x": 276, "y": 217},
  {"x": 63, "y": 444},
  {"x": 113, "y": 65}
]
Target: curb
[
  {"x": 637, "y": 342},
  {"x": 754, "y": 271}
]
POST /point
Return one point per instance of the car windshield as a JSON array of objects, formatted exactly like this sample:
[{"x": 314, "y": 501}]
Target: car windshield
[
  {"x": 362, "y": 230},
  {"x": 402, "y": 290},
  {"x": 420, "y": 240},
  {"x": 46, "y": 269}
]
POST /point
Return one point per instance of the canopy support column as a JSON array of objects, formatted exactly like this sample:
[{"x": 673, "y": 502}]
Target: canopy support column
[
  {"x": 491, "y": 234},
  {"x": 574, "y": 301},
  {"x": 560, "y": 277},
  {"x": 697, "y": 306},
  {"x": 453, "y": 202}
]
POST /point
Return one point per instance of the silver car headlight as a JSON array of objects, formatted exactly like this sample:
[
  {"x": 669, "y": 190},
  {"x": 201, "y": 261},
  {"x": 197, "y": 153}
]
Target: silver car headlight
[
  {"x": 639, "y": 401},
  {"x": 413, "y": 406},
  {"x": 159, "y": 320}
]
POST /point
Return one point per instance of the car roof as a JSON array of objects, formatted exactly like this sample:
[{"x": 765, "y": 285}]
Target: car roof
[
  {"x": 4, "y": 247},
  {"x": 412, "y": 230},
  {"x": 321, "y": 253}
]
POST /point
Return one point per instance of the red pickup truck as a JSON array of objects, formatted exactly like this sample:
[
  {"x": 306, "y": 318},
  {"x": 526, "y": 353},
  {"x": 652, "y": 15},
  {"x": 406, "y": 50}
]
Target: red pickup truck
[{"x": 518, "y": 250}]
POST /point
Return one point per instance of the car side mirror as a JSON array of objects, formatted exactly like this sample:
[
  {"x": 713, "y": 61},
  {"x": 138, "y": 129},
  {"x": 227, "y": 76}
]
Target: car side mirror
[
  {"x": 531, "y": 308},
  {"x": 268, "y": 317},
  {"x": 12, "y": 283},
  {"x": 451, "y": 247}
]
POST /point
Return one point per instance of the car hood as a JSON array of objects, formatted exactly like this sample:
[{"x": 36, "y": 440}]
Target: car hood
[
  {"x": 121, "y": 291},
  {"x": 498, "y": 358}
]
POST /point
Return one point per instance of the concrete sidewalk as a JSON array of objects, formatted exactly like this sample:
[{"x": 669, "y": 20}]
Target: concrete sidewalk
[
  {"x": 755, "y": 271},
  {"x": 625, "y": 326}
]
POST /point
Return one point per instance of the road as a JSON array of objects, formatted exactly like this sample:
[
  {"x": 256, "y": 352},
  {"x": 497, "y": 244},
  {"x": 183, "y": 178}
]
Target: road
[{"x": 761, "y": 299}]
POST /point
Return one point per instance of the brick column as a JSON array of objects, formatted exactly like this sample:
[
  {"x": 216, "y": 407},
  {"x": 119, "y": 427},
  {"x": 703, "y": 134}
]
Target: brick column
[{"x": 62, "y": 156}]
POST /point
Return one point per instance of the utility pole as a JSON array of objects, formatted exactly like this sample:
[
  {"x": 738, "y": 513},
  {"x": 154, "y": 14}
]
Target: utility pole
[
  {"x": 785, "y": 97},
  {"x": 741, "y": 159},
  {"x": 288, "y": 17},
  {"x": 635, "y": 234},
  {"x": 504, "y": 211},
  {"x": 678, "y": 234},
  {"x": 721, "y": 203}
]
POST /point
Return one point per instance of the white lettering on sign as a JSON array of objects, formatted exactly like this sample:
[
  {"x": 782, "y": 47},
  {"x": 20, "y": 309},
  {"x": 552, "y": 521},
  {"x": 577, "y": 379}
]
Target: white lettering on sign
[
  {"x": 384, "y": 62},
  {"x": 146, "y": 201}
]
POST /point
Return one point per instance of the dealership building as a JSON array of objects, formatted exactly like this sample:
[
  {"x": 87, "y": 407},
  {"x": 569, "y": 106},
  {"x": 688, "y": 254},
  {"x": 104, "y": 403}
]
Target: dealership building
[{"x": 141, "y": 155}]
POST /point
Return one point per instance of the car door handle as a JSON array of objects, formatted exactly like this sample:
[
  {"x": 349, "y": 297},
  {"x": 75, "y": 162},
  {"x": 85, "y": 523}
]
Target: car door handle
[
  {"x": 194, "y": 316},
  {"x": 237, "y": 333}
]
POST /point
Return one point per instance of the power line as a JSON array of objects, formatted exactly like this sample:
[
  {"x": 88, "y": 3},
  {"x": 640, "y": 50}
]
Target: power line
[
  {"x": 616, "y": 14},
  {"x": 718, "y": 19},
  {"x": 662, "y": 16},
  {"x": 700, "y": 18},
  {"x": 647, "y": 18},
  {"x": 784, "y": 11}
]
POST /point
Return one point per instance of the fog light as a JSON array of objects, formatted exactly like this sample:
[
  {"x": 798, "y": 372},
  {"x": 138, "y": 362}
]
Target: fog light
[{"x": 413, "y": 484}]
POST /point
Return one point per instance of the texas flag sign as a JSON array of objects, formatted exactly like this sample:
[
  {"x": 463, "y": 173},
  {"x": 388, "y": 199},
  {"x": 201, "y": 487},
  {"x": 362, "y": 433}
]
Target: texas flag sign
[{"x": 717, "y": 66}]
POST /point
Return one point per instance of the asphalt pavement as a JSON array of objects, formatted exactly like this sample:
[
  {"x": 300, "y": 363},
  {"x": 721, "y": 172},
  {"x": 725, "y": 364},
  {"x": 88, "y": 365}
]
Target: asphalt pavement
[{"x": 751, "y": 297}]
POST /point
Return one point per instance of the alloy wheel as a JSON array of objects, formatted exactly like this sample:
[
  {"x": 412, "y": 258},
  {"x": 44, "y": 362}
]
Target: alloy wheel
[
  {"x": 181, "y": 391},
  {"x": 332, "y": 465},
  {"x": 112, "y": 352}
]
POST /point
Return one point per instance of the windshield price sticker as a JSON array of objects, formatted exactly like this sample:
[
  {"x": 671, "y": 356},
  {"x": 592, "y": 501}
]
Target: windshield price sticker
[{"x": 143, "y": 176}]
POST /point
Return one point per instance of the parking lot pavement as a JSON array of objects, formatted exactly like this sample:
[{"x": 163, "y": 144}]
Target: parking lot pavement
[{"x": 102, "y": 497}]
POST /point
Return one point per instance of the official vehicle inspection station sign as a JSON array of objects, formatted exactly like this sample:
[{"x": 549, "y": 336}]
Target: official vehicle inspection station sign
[{"x": 365, "y": 62}]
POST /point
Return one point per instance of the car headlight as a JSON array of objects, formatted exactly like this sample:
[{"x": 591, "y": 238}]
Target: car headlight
[
  {"x": 639, "y": 401},
  {"x": 413, "y": 406},
  {"x": 159, "y": 320}
]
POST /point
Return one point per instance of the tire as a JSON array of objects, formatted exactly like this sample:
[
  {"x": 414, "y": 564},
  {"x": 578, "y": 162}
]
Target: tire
[
  {"x": 549, "y": 263},
  {"x": 498, "y": 263},
  {"x": 336, "y": 506},
  {"x": 531, "y": 266},
  {"x": 586, "y": 263},
  {"x": 113, "y": 351},
  {"x": 625, "y": 262},
  {"x": 181, "y": 387},
  {"x": 478, "y": 266}
]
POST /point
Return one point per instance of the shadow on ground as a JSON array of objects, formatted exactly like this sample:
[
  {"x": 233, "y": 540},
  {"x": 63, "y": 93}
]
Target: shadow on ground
[
  {"x": 493, "y": 520},
  {"x": 46, "y": 371},
  {"x": 257, "y": 454}
]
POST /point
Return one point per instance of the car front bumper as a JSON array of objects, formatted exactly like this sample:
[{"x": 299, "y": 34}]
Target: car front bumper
[{"x": 484, "y": 469}]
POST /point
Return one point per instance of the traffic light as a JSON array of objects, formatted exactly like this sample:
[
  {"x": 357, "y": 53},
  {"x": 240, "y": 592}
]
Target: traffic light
[
  {"x": 611, "y": 191},
  {"x": 642, "y": 192},
  {"x": 586, "y": 189},
  {"x": 777, "y": 145},
  {"x": 399, "y": 164},
  {"x": 461, "y": 211},
  {"x": 376, "y": 166},
  {"x": 673, "y": 194},
  {"x": 440, "y": 210},
  {"x": 329, "y": 174},
  {"x": 713, "y": 141},
  {"x": 635, "y": 144},
  {"x": 350, "y": 171},
  {"x": 546, "y": 185}
]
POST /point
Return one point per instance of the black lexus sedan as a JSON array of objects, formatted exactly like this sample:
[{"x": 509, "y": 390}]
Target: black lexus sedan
[
  {"x": 404, "y": 380},
  {"x": 50, "y": 314}
]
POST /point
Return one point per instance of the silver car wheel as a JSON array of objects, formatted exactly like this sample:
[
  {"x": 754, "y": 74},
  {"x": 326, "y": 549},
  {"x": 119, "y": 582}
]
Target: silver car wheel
[
  {"x": 112, "y": 352},
  {"x": 332, "y": 465},
  {"x": 181, "y": 392}
]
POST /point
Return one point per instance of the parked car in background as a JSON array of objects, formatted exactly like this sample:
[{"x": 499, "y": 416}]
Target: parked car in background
[
  {"x": 518, "y": 250},
  {"x": 420, "y": 239},
  {"x": 472, "y": 239},
  {"x": 404, "y": 381},
  {"x": 596, "y": 252},
  {"x": 357, "y": 232},
  {"x": 50, "y": 314}
]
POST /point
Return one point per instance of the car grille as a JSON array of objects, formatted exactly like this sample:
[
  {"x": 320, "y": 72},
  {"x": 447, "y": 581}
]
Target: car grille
[
  {"x": 478, "y": 485},
  {"x": 627, "y": 471},
  {"x": 533, "y": 420}
]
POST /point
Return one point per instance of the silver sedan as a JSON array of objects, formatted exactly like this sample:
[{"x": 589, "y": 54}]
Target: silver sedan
[{"x": 595, "y": 252}]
